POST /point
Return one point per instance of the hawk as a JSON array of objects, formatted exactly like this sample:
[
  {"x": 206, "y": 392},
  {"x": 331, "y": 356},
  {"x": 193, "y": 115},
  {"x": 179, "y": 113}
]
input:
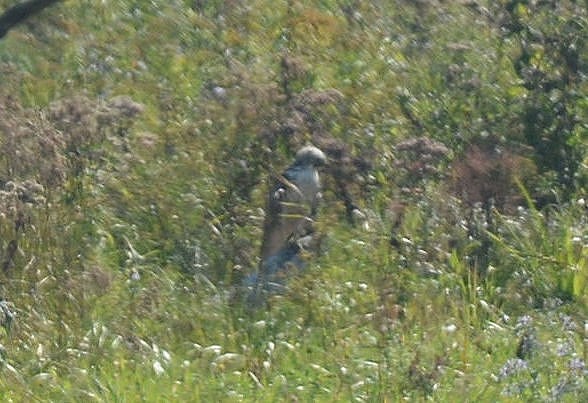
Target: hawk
[
  {"x": 292, "y": 201},
  {"x": 292, "y": 204}
]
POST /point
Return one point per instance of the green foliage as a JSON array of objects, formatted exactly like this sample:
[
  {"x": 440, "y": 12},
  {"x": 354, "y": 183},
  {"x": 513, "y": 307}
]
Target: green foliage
[
  {"x": 545, "y": 258},
  {"x": 136, "y": 143}
]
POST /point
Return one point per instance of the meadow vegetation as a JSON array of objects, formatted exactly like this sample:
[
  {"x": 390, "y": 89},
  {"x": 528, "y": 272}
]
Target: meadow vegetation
[{"x": 137, "y": 140}]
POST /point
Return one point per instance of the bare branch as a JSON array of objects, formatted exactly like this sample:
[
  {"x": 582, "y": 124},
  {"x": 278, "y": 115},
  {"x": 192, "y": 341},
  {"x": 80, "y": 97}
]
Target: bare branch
[{"x": 20, "y": 12}]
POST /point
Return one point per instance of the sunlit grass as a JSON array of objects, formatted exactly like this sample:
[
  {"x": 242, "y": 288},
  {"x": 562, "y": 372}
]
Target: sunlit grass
[{"x": 126, "y": 227}]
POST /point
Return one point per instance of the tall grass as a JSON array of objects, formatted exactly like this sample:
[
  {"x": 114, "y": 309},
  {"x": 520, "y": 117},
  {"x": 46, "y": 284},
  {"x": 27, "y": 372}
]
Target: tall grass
[{"x": 137, "y": 139}]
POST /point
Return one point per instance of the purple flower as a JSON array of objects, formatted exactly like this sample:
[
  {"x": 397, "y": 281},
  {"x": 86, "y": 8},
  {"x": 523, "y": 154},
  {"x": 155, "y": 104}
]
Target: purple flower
[
  {"x": 512, "y": 367},
  {"x": 577, "y": 365},
  {"x": 524, "y": 323}
]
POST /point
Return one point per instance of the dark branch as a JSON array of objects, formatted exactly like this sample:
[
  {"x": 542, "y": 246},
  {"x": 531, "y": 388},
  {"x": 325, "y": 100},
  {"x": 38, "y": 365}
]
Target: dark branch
[{"x": 20, "y": 12}]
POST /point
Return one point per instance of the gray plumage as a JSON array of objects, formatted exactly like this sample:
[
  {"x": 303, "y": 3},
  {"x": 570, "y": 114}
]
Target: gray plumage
[
  {"x": 291, "y": 207},
  {"x": 292, "y": 201}
]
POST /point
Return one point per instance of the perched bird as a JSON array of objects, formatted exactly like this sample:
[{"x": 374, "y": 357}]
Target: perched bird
[
  {"x": 292, "y": 204},
  {"x": 292, "y": 201}
]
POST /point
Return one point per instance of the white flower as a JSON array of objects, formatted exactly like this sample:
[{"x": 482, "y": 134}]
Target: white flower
[
  {"x": 260, "y": 324},
  {"x": 211, "y": 351},
  {"x": 158, "y": 368},
  {"x": 166, "y": 355},
  {"x": 229, "y": 362}
]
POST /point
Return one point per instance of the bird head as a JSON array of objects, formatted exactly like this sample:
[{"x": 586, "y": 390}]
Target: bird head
[{"x": 310, "y": 155}]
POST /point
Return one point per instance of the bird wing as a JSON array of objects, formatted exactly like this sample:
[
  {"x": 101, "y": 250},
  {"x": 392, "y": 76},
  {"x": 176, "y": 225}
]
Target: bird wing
[{"x": 285, "y": 213}]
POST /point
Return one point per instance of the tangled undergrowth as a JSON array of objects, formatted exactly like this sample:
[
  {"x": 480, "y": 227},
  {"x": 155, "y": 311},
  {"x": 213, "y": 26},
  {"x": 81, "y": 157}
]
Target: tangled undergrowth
[{"x": 136, "y": 144}]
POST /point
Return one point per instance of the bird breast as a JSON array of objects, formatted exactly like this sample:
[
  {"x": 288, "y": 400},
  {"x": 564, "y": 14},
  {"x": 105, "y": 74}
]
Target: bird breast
[{"x": 308, "y": 183}]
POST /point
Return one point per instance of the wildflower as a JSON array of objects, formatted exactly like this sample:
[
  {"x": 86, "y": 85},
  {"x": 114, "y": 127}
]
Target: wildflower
[
  {"x": 562, "y": 387},
  {"x": 568, "y": 322},
  {"x": 512, "y": 367},
  {"x": 260, "y": 324},
  {"x": 219, "y": 92},
  {"x": 125, "y": 106},
  {"x": 229, "y": 362},
  {"x": 166, "y": 355},
  {"x": 523, "y": 323},
  {"x": 577, "y": 365},
  {"x": 158, "y": 368},
  {"x": 211, "y": 351},
  {"x": 564, "y": 348},
  {"x": 289, "y": 346},
  {"x": 270, "y": 348},
  {"x": 135, "y": 276}
]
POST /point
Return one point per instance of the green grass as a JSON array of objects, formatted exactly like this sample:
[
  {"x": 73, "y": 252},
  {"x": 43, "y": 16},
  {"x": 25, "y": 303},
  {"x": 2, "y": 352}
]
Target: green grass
[{"x": 135, "y": 220}]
